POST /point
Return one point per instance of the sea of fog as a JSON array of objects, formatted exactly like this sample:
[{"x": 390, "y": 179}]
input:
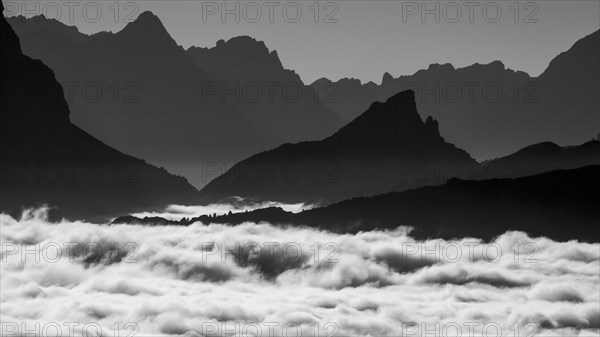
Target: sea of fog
[{"x": 84, "y": 279}]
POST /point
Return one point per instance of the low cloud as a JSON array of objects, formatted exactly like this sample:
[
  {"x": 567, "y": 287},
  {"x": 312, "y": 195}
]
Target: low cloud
[
  {"x": 234, "y": 204},
  {"x": 259, "y": 279}
]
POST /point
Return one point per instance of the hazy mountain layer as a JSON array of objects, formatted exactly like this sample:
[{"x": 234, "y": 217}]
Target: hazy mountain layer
[
  {"x": 46, "y": 159},
  {"x": 195, "y": 112},
  {"x": 492, "y": 111}
]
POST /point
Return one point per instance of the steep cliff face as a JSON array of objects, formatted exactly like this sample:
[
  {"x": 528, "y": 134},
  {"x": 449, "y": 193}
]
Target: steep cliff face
[
  {"x": 396, "y": 124},
  {"x": 47, "y": 160},
  {"x": 387, "y": 148}
]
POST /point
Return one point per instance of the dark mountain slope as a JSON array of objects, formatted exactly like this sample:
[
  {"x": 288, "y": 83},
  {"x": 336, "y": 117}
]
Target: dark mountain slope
[
  {"x": 561, "y": 205},
  {"x": 544, "y": 157},
  {"x": 387, "y": 148},
  {"x": 46, "y": 159}
]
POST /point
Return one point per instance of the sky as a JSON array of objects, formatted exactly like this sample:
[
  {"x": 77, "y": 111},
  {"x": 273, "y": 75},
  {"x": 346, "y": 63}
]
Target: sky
[{"x": 355, "y": 38}]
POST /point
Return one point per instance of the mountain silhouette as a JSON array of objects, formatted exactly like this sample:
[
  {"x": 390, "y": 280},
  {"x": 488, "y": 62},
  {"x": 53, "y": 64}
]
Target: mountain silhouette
[
  {"x": 48, "y": 160},
  {"x": 490, "y": 110},
  {"x": 209, "y": 126},
  {"x": 154, "y": 116},
  {"x": 387, "y": 148},
  {"x": 561, "y": 205},
  {"x": 543, "y": 157},
  {"x": 184, "y": 110},
  {"x": 147, "y": 31},
  {"x": 274, "y": 99}
]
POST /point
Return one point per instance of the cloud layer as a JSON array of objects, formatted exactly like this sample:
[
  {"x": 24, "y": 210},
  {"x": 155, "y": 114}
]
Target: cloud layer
[
  {"x": 259, "y": 279},
  {"x": 234, "y": 204}
]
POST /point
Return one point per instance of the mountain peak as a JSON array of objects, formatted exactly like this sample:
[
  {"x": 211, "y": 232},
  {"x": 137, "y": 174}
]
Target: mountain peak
[
  {"x": 387, "y": 77},
  {"x": 147, "y": 24},
  {"x": 497, "y": 65},
  {"x": 492, "y": 67},
  {"x": 244, "y": 41},
  {"x": 321, "y": 81},
  {"x": 148, "y": 18},
  {"x": 441, "y": 67},
  {"x": 390, "y": 123},
  {"x": 432, "y": 126},
  {"x": 242, "y": 57},
  {"x": 253, "y": 50}
]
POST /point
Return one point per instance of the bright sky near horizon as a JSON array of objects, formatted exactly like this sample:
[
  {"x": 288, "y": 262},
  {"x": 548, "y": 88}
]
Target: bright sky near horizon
[{"x": 355, "y": 38}]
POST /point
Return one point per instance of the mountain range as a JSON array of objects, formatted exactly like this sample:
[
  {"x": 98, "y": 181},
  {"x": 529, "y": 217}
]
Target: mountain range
[
  {"x": 152, "y": 100},
  {"x": 187, "y": 110},
  {"x": 542, "y": 157},
  {"x": 236, "y": 99},
  {"x": 387, "y": 148},
  {"x": 48, "y": 160},
  {"x": 561, "y": 205},
  {"x": 490, "y": 110}
]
